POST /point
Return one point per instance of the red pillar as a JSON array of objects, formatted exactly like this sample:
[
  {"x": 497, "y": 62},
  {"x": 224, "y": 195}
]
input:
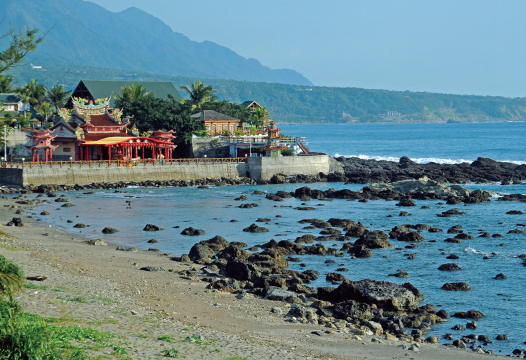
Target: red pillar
[
  {"x": 143, "y": 152},
  {"x": 165, "y": 152},
  {"x": 87, "y": 153},
  {"x": 32, "y": 155},
  {"x": 38, "y": 155},
  {"x": 153, "y": 152},
  {"x": 50, "y": 154},
  {"x": 109, "y": 154},
  {"x": 136, "y": 152}
]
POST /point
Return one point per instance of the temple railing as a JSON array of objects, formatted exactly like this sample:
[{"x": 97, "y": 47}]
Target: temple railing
[{"x": 117, "y": 163}]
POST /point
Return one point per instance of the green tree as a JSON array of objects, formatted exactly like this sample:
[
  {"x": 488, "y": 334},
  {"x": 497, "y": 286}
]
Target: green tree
[
  {"x": 37, "y": 92},
  {"x": 199, "y": 94},
  {"x": 58, "y": 96},
  {"x": 25, "y": 100},
  {"x": 262, "y": 117},
  {"x": 7, "y": 84},
  {"x": 12, "y": 278},
  {"x": 132, "y": 94},
  {"x": 21, "y": 43},
  {"x": 44, "y": 109}
]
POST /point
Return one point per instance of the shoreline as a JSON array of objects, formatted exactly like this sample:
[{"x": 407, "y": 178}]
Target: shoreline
[{"x": 178, "y": 301}]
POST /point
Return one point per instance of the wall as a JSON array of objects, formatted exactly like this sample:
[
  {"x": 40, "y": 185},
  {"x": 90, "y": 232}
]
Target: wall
[
  {"x": 95, "y": 174},
  {"x": 207, "y": 146},
  {"x": 60, "y": 155},
  {"x": 266, "y": 167}
]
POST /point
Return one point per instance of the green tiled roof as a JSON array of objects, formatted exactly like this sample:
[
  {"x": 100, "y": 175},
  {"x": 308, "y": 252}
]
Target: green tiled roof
[{"x": 106, "y": 88}]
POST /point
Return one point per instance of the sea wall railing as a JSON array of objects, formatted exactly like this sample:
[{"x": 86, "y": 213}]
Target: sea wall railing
[{"x": 116, "y": 163}]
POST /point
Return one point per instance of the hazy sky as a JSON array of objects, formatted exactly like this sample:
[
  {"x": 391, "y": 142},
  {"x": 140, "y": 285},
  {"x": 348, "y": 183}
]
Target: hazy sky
[{"x": 457, "y": 46}]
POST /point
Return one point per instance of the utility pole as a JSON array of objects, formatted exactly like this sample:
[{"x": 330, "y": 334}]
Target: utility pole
[{"x": 5, "y": 143}]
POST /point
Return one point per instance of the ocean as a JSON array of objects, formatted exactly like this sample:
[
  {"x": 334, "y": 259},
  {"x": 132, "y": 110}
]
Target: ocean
[{"x": 503, "y": 302}]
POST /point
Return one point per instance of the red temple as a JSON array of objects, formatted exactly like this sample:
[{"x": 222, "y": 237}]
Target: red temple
[
  {"x": 95, "y": 133},
  {"x": 42, "y": 141},
  {"x": 273, "y": 147}
]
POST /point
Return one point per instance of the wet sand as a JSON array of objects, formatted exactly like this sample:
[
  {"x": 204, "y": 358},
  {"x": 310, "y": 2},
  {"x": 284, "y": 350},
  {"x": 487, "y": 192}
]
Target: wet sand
[{"x": 140, "y": 306}]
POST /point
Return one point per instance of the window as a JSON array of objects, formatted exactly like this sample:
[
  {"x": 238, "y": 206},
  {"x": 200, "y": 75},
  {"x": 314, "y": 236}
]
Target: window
[
  {"x": 9, "y": 107},
  {"x": 219, "y": 128},
  {"x": 66, "y": 149}
]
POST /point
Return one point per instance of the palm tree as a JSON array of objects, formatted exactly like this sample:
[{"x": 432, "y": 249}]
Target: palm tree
[
  {"x": 262, "y": 117},
  {"x": 11, "y": 278},
  {"x": 132, "y": 94},
  {"x": 199, "y": 93},
  {"x": 36, "y": 92},
  {"x": 25, "y": 99},
  {"x": 7, "y": 84},
  {"x": 58, "y": 96},
  {"x": 44, "y": 109}
]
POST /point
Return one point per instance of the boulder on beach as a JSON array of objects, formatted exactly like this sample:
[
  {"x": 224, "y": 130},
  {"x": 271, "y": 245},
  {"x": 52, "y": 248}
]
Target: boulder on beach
[
  {"x": 383, "y": 294},
  {"x": 97, "y": 242},
  {"x": 79, "y": 225},
  {"x": 200, "y": 251},
  {"x": 16, "y": 221},
  {"x": 217, "y": 243}
]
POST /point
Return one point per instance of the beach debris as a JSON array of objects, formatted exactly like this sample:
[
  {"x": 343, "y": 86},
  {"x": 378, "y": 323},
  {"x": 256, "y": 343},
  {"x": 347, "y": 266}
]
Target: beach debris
[
  {"x": 98, "y": 242},
  {"x": 152, "y": 268},
  {"x": 126, "y": 248},
  {"x": 36, "y": 278}
]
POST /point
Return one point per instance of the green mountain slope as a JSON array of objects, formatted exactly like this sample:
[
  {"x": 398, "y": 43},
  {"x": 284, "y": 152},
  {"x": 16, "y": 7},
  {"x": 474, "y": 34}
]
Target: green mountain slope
[
  {"x": 312, "y": 104},
  {"x": 85, "y": 33}
]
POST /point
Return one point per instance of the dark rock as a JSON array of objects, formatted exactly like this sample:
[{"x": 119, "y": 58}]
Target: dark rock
[
  {"x": 500, "y": 276},
  {"x": 232, "y": 252},
  {"x": 497, "y": 236},
  {"x": 151, "y": 227},
  {"x": 472, "y": 325},
  {"x": 502, "y": 337},
  {"x": 516, "y": 231},
  {"x": 456, "y": 286},
  {"x": 79, "y": 226},
  {"x": 406, "y": 201},
  {"x": 458, "y": 327},
  {"x": 341, "y": 223},
  {"x": 453, "y": 257},
  {"x": 239, "y": 244},
  {"x": 190, "y": 231},
  {"x": 443, "y": 314},
  {"x": 371, "y": 241},
  {"x": 514, "y": 212},
  {"x": 152, "y": 268},
  {"x": 16, "y": 221},
  {"x": 217, "y": 243},
  {"x": 449, "y": 267},
  {"x": 459, "y": 343},
  {"x": 255, "y": 229},
  {"x": 335, "y": 277},
  {"x": 360, "y": 251},
  {"x": 453, "y": 240},
  {"x": 411, "y": 236},
  {"x": 152, "y": 241},
  {"x": 464, "y": 237},
  {"x": 200, "y": 251},
  {"x": 109, "y": 230},
  {"x": 241, "y": 270},
  {"x": 274, "y": 197},
  {"x": 248, "y": 206},
  {"x": 241, "y": 198},
  {"x": 471, "y": 314},
  {"x": 383, "y": 294}
]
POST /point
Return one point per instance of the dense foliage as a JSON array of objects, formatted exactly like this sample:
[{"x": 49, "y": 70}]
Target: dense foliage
[{"x": 299, "y": 104}]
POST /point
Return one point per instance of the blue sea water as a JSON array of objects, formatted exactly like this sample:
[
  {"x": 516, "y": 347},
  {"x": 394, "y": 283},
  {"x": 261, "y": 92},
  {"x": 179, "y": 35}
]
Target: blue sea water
[
  {"x": 502, "y": 301},
  {"x": 441, "y": 143}
]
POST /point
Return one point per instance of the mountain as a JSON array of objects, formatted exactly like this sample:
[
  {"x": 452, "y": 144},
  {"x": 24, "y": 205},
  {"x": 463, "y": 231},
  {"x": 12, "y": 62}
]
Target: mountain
[
  {"x": 85, "y": 33},
  {"x": 310, "y": 104}
]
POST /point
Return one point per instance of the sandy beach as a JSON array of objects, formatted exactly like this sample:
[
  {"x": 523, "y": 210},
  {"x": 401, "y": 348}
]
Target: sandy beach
[{"x": 102, "y": 288}]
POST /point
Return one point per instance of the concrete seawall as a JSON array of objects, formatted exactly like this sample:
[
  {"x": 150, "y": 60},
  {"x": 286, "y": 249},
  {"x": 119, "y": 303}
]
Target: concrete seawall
[
  {"x": 266, "y": 167},
  {"x": 255, "y": 168},
  {"x": 110, "y": 174}
]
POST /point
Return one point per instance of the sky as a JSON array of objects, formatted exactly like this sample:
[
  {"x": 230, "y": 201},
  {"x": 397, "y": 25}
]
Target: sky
[{"x": 447, "y": 46}]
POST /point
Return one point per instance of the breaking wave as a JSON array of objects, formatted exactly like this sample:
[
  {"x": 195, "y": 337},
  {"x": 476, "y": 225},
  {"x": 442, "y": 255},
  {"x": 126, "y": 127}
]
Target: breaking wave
[{"x": 423, "y": 160}]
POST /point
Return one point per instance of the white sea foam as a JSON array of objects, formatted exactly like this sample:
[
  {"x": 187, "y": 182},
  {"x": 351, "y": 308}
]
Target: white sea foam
[{"x": 423, "y": 160}]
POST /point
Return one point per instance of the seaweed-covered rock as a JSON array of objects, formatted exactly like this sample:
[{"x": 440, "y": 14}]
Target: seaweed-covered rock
[
  {"x": 411, "y": 236},
  {"x": 200, "y": 251},
  {"x": 456, "y": 286}
]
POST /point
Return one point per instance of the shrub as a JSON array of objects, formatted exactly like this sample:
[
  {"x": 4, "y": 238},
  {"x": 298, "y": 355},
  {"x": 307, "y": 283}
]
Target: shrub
[{"x": 12, "y": 278}]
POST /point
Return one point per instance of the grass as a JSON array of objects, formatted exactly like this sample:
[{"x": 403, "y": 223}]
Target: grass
[
  {"x": 36, "y": 287},
  {"x": 167, "y": 338},
  {"x": 172, "y": 353},
  {"x": 236, "y": 358}
]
